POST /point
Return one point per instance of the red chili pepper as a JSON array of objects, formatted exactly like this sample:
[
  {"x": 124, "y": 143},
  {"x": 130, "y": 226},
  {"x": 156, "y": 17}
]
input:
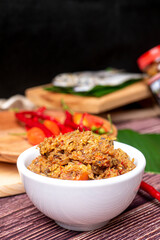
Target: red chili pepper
[
  {"x": 41, "y": 109},
  {"x": 30, "y": 118},
  {"x": 66, "y": 130},
  {"x": 69, "y": 119},
  {"x": 81, "y": 126},
  {"x": 31, "y": 123},
  {"x": 27, "y": 127},
  {"x": 63, "y": 128},
  {"x": 151, "y": 190},
  {"x": 69, "y": 122},
  {"x": 35, "y": 119},
  {"x": 36, "y": 114}
]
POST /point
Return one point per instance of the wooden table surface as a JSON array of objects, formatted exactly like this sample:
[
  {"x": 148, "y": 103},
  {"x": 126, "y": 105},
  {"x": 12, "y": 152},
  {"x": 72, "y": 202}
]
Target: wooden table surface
[{"x": 19, "y": 219}]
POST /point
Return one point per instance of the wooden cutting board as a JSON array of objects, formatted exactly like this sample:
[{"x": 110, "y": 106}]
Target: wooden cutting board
[
  {"x": 11, "y": 146},
  {"x": 10, "y": 183},
  {"x": 135, "y": 92},
  {"x": 12, "y": 138}
]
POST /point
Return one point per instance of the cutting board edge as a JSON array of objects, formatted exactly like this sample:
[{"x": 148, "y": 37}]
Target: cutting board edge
[
  {"x": 12, "y": 189},
  {"x": 89, "y": 104}
]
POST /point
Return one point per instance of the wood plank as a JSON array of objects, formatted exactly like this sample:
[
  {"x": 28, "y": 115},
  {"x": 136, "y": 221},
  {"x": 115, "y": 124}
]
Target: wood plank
[{"x": 135, "y": 92}]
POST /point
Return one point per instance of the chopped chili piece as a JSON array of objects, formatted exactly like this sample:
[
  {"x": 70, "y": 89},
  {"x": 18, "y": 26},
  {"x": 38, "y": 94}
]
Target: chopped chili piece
[{"x": 82, "y": 176}]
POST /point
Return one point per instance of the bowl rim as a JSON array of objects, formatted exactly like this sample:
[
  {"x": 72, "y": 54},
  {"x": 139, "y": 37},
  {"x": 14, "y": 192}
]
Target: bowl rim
[{"x": 141, "y": 163}]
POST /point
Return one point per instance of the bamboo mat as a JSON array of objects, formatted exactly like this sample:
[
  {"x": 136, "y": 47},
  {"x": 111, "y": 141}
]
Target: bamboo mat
[{"x": 19, "y": 219}]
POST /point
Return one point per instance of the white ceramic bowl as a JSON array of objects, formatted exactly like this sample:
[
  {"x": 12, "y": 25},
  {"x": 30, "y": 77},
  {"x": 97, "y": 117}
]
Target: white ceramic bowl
[{"x": 82, "y": 205}]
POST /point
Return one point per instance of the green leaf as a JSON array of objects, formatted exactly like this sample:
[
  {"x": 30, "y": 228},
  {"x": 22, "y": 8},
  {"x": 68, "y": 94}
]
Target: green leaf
[
  {"x": 148, "y": 144},
  {"x": 97, "y": 91}
]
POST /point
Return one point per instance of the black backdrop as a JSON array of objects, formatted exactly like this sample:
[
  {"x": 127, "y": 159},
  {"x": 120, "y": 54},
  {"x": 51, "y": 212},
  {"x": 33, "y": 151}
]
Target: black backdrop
[{"x": 39, "y": 39}]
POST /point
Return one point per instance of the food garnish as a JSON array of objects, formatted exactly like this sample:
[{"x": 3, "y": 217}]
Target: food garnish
[
  {"x": 39, "y": 125},
  {"x": 150, "y": 190}
]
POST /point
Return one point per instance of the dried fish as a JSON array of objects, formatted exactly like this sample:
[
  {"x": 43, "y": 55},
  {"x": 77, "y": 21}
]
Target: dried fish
[{"x": 85, "y": 81}]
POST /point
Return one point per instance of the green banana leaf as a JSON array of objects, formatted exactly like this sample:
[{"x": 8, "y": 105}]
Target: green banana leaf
[
  {"x": 97, "y": 91},
  {"x": 148, "y": 144}
]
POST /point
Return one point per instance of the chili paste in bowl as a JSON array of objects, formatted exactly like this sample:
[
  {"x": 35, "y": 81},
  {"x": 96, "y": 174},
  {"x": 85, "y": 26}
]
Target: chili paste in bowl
[{"x": 81, "y": 156}]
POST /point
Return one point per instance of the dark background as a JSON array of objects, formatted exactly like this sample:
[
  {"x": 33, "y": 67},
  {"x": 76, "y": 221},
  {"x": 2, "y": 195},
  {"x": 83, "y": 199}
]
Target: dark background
[{"x": 39, "y": 39}]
